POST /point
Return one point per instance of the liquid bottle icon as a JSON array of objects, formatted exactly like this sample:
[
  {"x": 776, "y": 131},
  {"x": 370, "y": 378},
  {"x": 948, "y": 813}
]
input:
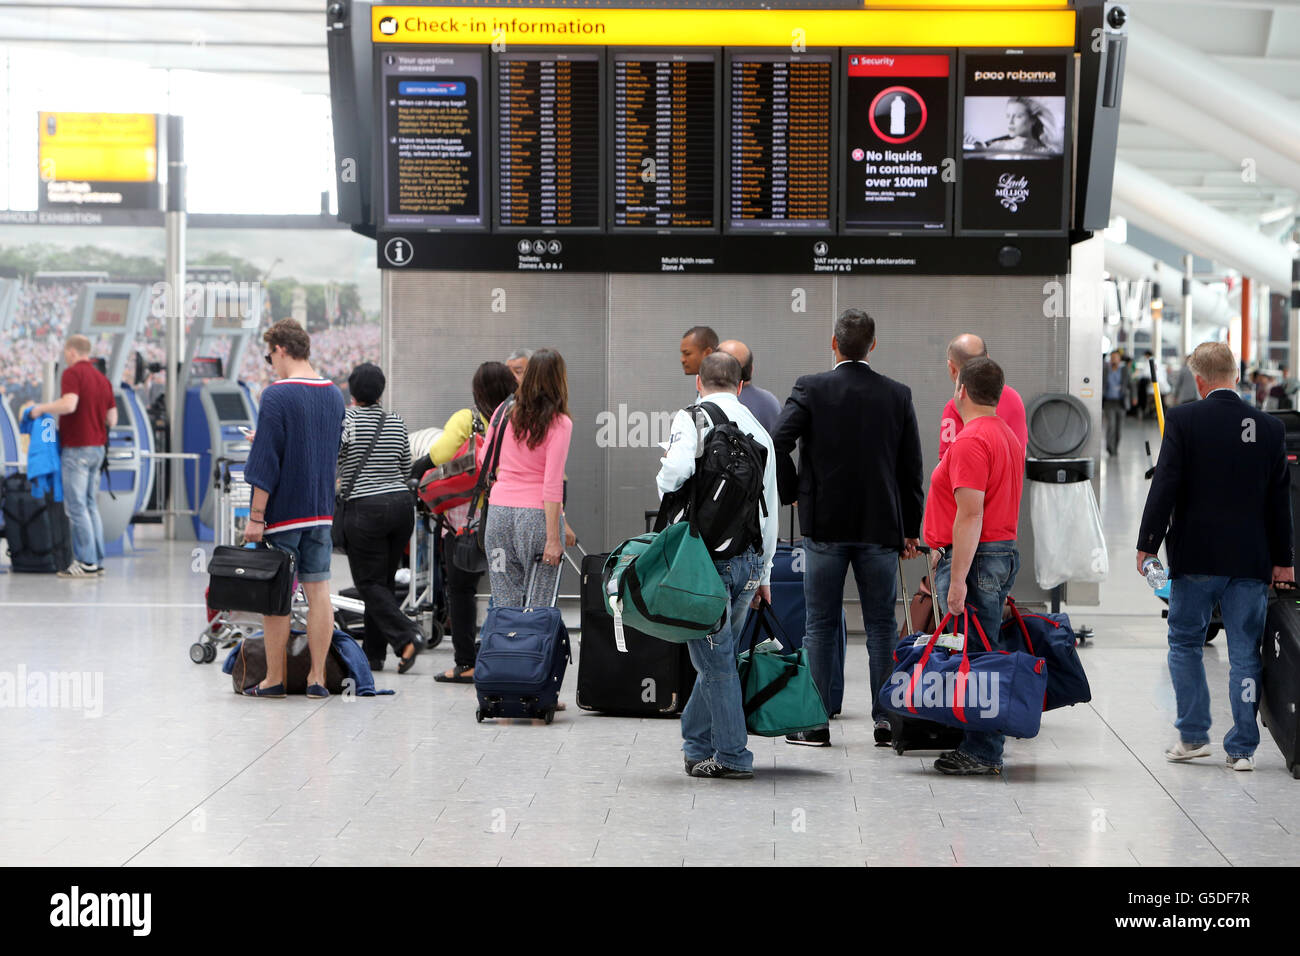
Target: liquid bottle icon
[{"x": 897, "y": 116}]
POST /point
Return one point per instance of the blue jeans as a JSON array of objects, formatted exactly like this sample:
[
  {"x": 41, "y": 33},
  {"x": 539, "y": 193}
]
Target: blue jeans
[
  {"x": 311, "y": 549},
  {"x": 1244, "y": 604},
  {"x": 875, "y": 569},
  {"x": 992, "y": 574},
  {"x": 713, "y": 723},
  {"x": 80, "y": 486}
]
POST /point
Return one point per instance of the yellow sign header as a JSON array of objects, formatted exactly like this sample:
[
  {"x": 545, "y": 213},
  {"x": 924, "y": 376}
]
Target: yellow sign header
[
  {"x": 99, "y": 147},
  {"x": 1026, "y": 25}
]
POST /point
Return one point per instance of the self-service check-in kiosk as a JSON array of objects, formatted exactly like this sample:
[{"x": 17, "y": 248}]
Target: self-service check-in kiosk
[
  {"x": 8, "y": 444},
  {"x": 217, "y": 405},
  {"x": 8, "y": 439},
  {"x": 118, "y": 310}
]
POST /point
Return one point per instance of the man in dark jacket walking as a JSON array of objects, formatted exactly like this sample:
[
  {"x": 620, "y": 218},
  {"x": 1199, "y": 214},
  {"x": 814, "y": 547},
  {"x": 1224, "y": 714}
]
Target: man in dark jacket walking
[
  {"x": 859, "y": 488},
  {"x": 1116, "y": 383},
  {"x": 1221, "y": 496}
]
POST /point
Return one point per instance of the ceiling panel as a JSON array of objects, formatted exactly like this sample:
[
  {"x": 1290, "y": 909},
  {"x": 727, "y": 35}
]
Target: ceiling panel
[{"x": 283, "y": 41}]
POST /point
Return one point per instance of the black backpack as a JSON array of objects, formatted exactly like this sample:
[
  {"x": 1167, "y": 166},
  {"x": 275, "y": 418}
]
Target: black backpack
[{"x": 723, "y": 498}]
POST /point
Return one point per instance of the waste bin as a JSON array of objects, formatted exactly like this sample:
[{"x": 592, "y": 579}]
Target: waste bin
[{"x": 1068, "y": 541}]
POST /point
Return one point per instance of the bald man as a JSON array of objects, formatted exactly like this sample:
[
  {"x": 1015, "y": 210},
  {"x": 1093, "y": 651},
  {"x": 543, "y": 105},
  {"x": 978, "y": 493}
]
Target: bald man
[
  {"x": 1011, "y": 409},
  {"x": 764, "y": 406}
]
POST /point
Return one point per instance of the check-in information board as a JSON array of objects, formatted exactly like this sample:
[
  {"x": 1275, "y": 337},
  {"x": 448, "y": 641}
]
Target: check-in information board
[
  {"x": 780, "y": 139},
  {"x": 706, "y": 140},
  {"x": 665, "y": 132},
  {"x": 549, "y": 163}
]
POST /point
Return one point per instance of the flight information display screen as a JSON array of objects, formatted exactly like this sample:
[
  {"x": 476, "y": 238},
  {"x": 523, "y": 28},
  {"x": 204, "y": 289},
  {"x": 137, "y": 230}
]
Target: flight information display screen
[
  {"x": 548, "y": 143},
  {"x": 665, "y": 141},
  {"x": 109, "y": 309},
  {"x": 1015, "y": 142},
  {"x": 433, "y": 155},
  {"x": 780, "y": 141},
  {"x": 897, "y": 142}
]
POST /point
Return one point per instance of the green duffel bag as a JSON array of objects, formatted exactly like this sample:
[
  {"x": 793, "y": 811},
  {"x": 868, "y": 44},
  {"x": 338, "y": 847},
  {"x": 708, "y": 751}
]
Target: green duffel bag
[
  {"x": 779, "y": 693},
  {"x": 664, "y": 584}
]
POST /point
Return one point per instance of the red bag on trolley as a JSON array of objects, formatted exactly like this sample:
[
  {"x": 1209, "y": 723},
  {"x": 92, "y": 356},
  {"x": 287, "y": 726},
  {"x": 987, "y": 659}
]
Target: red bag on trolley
[{"x": 451, "y": 484}]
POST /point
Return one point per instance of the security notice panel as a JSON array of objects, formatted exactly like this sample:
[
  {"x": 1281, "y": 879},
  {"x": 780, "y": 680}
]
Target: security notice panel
[
  {"x": 897, "y": 142},
  {"x": 796, "y": 141}
]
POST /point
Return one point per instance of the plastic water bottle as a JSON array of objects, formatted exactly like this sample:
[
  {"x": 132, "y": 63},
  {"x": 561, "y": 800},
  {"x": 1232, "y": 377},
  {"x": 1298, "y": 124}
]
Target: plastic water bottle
[{"x": 1155, "y": 573}]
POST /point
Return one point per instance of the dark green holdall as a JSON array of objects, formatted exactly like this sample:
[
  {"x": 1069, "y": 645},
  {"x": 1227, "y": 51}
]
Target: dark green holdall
[
  {"x": 778, "y": 689},
  {"x": 665, "y": 584}
]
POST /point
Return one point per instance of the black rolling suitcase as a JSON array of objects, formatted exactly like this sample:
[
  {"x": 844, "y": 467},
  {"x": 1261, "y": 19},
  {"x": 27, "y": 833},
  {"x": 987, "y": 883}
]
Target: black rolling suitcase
[
  {"x": 1279, "y": 699},
  {"x": 653, "y": 678},
  {"x": 912, "y": 733},
  {"x": 37, "y": 530}
]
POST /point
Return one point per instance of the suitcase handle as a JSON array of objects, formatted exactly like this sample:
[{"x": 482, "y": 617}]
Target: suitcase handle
[
  {"x": 529, "y": 600},
  {"x": 902, "y": 587}
]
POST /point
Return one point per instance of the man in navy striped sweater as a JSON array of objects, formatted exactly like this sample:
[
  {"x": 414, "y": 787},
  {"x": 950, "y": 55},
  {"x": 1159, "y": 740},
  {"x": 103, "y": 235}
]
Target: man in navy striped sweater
[{"x": 291, "y": 468}]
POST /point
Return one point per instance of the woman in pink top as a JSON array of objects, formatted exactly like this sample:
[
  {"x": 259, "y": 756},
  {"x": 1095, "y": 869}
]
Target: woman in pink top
[{"x": 525, "y": 516}]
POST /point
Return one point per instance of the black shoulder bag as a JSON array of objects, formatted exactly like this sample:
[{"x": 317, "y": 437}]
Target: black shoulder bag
[
  {"x": 468, "y": 548},
  {"x": 337, "y": 535}
]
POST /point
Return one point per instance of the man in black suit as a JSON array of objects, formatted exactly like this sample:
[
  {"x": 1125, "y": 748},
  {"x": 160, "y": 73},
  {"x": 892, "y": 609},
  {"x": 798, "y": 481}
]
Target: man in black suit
[
  {"x": 859, "y": 488},
  {"x": 1223, "y": 478}
]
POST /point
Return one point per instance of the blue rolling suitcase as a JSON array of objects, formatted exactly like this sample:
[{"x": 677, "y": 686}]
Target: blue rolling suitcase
[
  {"x": 522, "y": 657},
  {"x": 790, "y": 609}
]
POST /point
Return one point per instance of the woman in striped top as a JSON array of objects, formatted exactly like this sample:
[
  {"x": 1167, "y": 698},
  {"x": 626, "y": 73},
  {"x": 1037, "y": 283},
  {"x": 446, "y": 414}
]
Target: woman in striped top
[{"x": 380, "y": 515}]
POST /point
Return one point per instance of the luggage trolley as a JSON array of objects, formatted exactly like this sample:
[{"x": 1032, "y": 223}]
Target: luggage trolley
[
  {"x": 232, "y": 499},
  {"x": 426, "y": 597}
]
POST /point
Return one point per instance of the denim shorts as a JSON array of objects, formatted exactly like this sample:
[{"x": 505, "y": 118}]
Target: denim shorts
[{"x": 311, "y": 549}]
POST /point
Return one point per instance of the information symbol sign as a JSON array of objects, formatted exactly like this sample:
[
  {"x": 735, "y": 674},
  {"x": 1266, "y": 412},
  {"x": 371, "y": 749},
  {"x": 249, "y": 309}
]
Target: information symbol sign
[{"x": 398, "y": 251}]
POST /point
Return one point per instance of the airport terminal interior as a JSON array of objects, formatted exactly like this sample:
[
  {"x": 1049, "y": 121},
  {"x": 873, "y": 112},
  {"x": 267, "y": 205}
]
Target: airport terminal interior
[{"x": 1094, "y": 188}]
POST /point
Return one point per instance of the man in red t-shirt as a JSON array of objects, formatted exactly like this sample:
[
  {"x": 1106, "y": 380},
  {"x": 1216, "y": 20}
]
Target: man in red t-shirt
[
  {"x": 1011, "y": 409},
  {"x": 86, "y": 410},
  {"x": 971, "y": 517}
]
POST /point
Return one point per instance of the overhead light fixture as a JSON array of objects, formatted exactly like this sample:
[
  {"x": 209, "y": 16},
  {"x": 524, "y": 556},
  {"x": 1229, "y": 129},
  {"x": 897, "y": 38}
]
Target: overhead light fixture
[{"x": 1277, "y": 215}]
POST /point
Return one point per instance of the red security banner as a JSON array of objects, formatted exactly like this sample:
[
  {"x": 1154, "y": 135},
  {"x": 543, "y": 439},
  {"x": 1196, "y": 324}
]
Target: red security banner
[{"x": 898, "y": 64}]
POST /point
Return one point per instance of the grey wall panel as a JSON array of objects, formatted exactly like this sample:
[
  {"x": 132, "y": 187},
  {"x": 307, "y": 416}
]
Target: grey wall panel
[
  {"x": 916, "y": 318},
  {"x": 648, "y": 315},
  {"x": 439, "y": 326},
  {"x": 620, "y": 335}
]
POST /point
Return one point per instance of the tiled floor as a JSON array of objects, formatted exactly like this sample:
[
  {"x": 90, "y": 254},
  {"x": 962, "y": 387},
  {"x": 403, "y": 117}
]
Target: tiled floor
[{"x": 178, "y": 770}]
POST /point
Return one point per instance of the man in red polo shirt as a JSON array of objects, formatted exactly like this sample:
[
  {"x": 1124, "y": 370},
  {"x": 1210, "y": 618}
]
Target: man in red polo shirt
[
  {"x": 971, "y": 518},
  {"x": 1011, "y": 409},
  {"x": 86, "y": 411}
]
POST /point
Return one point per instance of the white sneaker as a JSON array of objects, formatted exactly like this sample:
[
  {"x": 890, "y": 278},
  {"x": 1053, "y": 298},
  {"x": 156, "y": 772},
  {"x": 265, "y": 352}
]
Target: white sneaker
[
  {"x": 1181, "y": 752},
  {"x": 76, "y": 570},
  {"x": 1241, "y": 763}
]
